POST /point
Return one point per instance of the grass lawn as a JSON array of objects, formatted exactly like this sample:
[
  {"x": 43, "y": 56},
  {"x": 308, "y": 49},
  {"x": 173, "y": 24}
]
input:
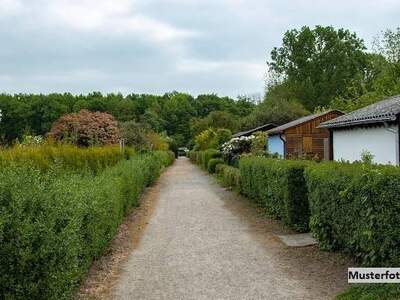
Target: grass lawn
[{"x": 371, "y": 292}]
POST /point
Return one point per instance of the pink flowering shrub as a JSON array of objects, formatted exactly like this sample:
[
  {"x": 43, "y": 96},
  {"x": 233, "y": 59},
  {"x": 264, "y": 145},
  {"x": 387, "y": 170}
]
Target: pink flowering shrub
[{"x": 86, "y": 129}]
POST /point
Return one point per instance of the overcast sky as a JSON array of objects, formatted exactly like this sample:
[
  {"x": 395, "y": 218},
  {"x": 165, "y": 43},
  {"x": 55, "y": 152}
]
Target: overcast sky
[{"x": 156, "y": 46}]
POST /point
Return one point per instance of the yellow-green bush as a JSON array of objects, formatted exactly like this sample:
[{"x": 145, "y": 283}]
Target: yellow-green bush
[
  {"x": 70, "y": 157},
  {"x": 54, "y": 223}
]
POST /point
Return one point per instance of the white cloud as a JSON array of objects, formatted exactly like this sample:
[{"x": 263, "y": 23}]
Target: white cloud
[
  {"x": 10, "y": 7},
  {"x": 161, "y": 45},
  {"x": 155, "y": 30},
  {"x": 197, "y": 66},
  {"x": 87, "y": 14},
  {"x": 112, "y": 17},
  {"x": 247, "y": 69}
]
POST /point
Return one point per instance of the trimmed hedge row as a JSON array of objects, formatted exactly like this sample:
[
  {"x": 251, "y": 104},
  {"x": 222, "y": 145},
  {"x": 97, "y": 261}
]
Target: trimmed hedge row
[
  {"x": 356, "y": 208},
  {"x": 52, "y": 224},
  {"x": 350, "y": 207},
  {"x": 212, "y": 164},
  {"x": 212, "y": 161},
  {"x": 70, "y": 157},
  {"x": 230, "y": 176},
  {"x": 203, "y": 157},
  {"x": 279, "y": 186},
  {"x": 194, "y": 156}
]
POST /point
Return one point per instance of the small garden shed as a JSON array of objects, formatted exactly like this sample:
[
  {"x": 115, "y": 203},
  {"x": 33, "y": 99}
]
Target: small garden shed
[
  {"x": 374, "y": 128},
  {"x": 249, "y": 132},
  {"x": 302, "y": 137}
]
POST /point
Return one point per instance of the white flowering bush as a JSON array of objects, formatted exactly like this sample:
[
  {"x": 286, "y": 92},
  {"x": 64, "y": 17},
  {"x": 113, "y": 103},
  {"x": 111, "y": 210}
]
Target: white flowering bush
[{"x": 236, "y": 146}]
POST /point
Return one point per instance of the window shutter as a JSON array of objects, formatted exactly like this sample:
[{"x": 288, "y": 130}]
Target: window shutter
[{"x": 307, "y": 144}]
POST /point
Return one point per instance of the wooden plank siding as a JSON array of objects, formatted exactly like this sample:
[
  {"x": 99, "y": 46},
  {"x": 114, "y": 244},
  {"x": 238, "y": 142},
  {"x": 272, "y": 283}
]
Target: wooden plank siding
[{"x": 307, "y": 139}]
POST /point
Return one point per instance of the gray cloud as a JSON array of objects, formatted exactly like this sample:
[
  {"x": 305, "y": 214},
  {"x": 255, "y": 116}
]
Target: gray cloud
[{"x": 156, "y": 46}]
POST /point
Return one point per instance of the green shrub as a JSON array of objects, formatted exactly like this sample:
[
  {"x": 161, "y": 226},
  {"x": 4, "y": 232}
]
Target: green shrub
[
  {"x": 140, "y": 137},
  {"x": 205, "y": 156},
  {"x": 356, "y": 208},
  {"x": 371, "y": 292},
  {"x": 194, "y": 156},
  {"x": 230, "y": 176},
  {"x": 52, "y": 224},
  {"x": 279, "y": 186},
  {"x": 212, "y": 163}
]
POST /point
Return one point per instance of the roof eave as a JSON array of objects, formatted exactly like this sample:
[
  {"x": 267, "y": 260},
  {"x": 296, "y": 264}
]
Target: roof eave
[
  {"x": 275, "y": 133},
  {"x": 358, "y": 123}
]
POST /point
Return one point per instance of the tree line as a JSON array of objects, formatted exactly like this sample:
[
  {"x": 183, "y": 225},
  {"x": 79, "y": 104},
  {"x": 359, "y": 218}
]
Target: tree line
[
  {"x": 313, "y": 69},
  {"x": 178, "y": 115}
]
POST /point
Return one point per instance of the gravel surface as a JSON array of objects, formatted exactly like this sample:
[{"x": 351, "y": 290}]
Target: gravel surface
[{"x": 198, "y": 246}]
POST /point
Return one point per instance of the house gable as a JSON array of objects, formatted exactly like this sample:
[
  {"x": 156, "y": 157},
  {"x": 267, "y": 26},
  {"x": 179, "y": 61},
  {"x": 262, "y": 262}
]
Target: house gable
[{"x": 307, "y": 139}]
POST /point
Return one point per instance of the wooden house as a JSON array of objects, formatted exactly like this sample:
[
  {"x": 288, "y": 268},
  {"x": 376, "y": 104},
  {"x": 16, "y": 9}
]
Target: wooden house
[
  {"x": 302, "y": 137},
  {"x": 374, "y": 129}
]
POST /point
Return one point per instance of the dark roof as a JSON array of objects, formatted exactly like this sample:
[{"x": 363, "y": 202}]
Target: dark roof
[
  {"x": 383, "y": 111},
  {"x": 259, "y": 128},
  {"x": 282, "y": 128}
]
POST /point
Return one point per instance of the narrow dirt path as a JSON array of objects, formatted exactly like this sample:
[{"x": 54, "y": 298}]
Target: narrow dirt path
[{"x": 202, "y": 242}]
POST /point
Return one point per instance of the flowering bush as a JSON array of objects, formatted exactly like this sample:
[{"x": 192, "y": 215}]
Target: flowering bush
[
  {"x": 86, "y": 129},
  {"x": 237, "y": 146}
]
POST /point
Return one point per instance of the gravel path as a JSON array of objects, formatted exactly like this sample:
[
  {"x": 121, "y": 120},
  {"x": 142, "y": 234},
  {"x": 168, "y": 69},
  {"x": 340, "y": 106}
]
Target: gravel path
[{"x": 196, "y": 247}]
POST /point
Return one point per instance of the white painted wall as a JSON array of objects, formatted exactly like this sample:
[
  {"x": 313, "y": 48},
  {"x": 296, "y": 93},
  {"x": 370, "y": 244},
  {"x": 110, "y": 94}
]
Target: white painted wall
[{"x": 348, "y": 144}]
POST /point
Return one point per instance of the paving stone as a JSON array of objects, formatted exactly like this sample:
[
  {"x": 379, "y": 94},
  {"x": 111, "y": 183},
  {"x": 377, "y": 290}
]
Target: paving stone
[{"x": 298, "y": 240}]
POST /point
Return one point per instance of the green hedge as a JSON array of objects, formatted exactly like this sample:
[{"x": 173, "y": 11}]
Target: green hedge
[
  {"x": 350, "y": 207},
  {"x": 52, "y": 224},
  {"x": 206, "y": 156},
  {"x": 194, "y": 156},
  {"x": 212, "y": 164},
  {"x": 279, "y": 186},
  {"x": 356, "y": 208},
  {"x": 230, "y": 176},
  {"x": 70, "y": 157},
  {"x": 203, "y": 157},
  {"x": 373, "y": 291}
]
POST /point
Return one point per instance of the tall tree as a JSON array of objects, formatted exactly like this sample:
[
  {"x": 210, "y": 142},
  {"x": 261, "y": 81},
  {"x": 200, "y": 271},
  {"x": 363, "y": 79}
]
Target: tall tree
[
  {"x": 178, "y": 110},
  {"x": 383, "y": 78},
  {"x": 319, "y": 64},
  {"x": 388, "y": 44},
  {"x": 215, "y": 120}
]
